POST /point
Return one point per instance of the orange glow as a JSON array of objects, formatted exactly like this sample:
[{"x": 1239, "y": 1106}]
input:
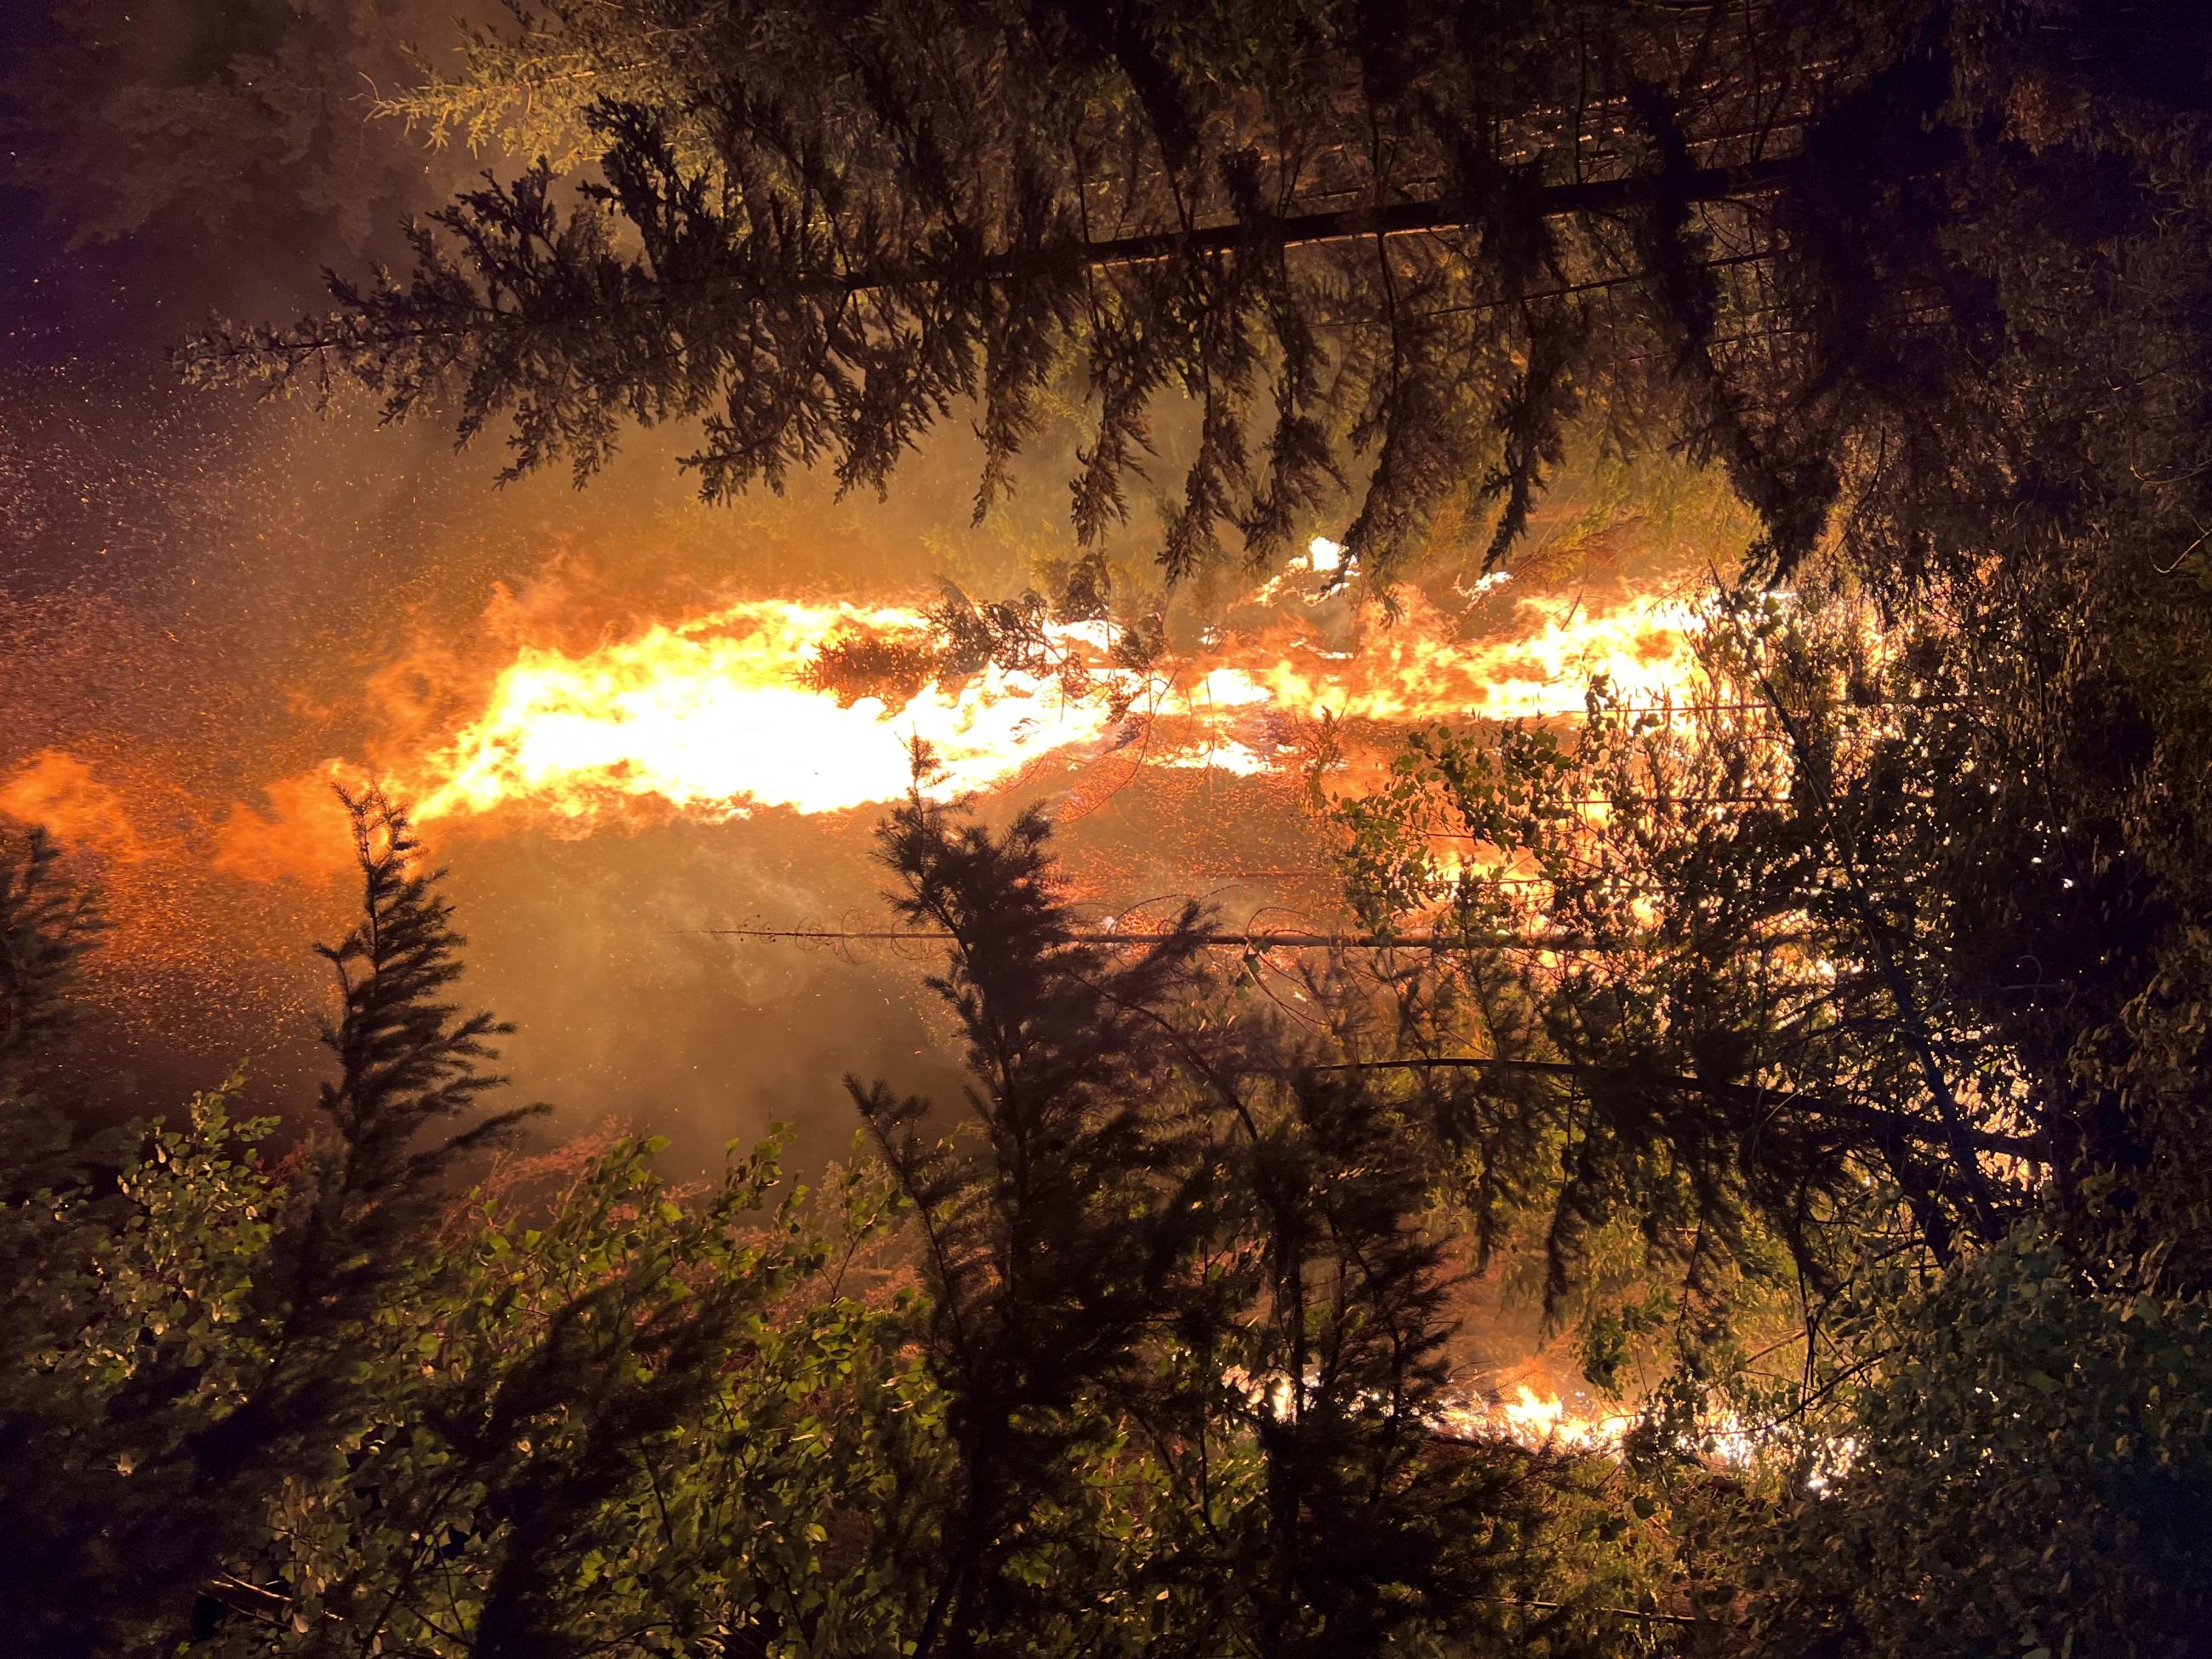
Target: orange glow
[
  {"x": 58, "y": 791},
  {"x": 305, "y": 836}
]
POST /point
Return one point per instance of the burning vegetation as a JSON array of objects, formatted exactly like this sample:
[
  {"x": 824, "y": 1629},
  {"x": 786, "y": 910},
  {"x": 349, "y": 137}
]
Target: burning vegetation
[
  {"x": 1693, "y": 1144},
  {"x": 815, "y": 708}
]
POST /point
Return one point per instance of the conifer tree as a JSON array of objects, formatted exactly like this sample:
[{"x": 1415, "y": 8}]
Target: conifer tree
[
  {"x": 1055, "y": 1248},
  {"x": 47, "y": 923},
  {"x": 1376, "y": 1522},
  {"x": 165, "y": 1488},
  {"x": 410, "y": 1063},
  {"x": 1399, "y": 250},
  {"x": 1176, "y": 1245}
]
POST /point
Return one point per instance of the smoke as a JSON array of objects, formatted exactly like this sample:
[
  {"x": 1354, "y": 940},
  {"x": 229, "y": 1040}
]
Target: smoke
[
  {"x": 55, "y": 789},
  {"x": 632, "y": 1006},
  {"x": 175, "y": 156}
]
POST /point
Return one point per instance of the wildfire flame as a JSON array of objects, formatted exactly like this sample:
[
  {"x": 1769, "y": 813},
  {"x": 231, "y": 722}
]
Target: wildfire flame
[
  {"x": 1538, "y": 1421},
  {"x": 716, "y": 714},
  {"x": 719, "y": 715},
  {"x": 1544, "y": 1422}
]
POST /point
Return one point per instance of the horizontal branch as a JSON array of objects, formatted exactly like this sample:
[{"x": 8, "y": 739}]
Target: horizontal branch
[
  {"x": 1288, "y": 939},
  {"x": 1285, "y": 232},
  {"x": 1419, "y": 217},
  {"x": 1896, "y": 1125}
]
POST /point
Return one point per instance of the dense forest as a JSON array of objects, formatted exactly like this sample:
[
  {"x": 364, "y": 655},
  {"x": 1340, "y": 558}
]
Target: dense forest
[{"x": 1820, "y": 1048}]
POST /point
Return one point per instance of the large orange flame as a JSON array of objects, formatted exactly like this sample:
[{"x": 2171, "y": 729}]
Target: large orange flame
[{"x": 716, "y": 715}]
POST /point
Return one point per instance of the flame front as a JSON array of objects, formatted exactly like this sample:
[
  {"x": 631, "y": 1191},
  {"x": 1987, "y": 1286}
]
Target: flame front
[{"x": 718, "y": 715}]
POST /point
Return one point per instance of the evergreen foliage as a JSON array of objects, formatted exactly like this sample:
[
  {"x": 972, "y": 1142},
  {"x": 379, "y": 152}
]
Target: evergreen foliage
[
  {"x": 1854, "y": 1094},
  {"x": 1171, "y": 1381},
  {"x": 1850, "y": 903},
  {"x": 150, "y": 1494},
  {"x": 1177, "y": 1256},
  {"x": 1053, "y": 1247},
  {"x": 1401, "y": 250},
  {"x": 46, "y": 926},
  {"x": 1150, "y": 1356},
  {"x": 47, "y": 923}
]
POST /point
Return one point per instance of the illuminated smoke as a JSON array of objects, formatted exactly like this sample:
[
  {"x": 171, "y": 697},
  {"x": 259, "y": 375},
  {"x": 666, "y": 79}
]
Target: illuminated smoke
[{"x": 60, "y": 792}]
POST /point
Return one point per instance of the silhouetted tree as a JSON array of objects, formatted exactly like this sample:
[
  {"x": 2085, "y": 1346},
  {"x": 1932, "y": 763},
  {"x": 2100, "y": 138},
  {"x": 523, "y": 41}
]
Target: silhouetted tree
[
  {"x": 1754, "y": 1051},
  {"x": 1055, "y": 1247},
  {"x": 47, "y": 922},
  {"x": 1376, "y": 1522},
  {"x": 1403, "y": 247},
  {"x": 1177, "y": 1261},
  {"x": 161, "y": 1487}
]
